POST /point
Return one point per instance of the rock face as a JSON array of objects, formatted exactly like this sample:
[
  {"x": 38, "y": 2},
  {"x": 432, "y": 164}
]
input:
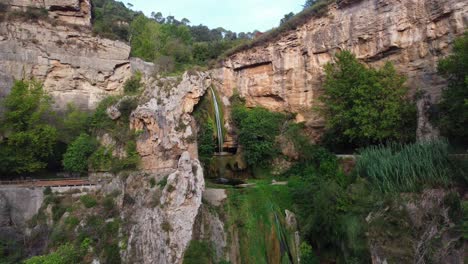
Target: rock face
[
  {"x": 62, "y": 53},
  {"x": 286, "y": 74},
  {"x": 162, "y": 221},
  {"x": 19, "y": 205},
  {"x": 166, "y": 126},
  {"x": 76, "y": 12},
  {"x": 426, "y": 231}
]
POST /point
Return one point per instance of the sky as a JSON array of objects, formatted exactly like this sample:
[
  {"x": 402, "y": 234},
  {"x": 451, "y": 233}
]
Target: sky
[{"x": 234, "y": 15}]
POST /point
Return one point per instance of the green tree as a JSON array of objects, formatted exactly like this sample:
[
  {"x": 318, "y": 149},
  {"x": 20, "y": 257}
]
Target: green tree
[
  {"x": 74, "y": 123},
  {"x": 453, "y": 121},
  {"x": 365, "y": 106},
  {"x": 28, "y": 140},
  {"x": 258, "y": 129},
  {"x": 78, "y": 153}
]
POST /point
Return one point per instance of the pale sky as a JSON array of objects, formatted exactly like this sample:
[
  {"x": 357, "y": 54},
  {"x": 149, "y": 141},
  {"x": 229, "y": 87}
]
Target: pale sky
[{"x": 234, "y": 15}]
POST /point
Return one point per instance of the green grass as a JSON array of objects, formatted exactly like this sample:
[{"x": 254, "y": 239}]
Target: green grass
[
  {"x": 258, "y": 215},
  {"x": 407, "y": 168}
]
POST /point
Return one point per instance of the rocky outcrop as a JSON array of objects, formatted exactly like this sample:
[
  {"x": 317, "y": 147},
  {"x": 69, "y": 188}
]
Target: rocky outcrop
[
  {"x": 75, "y": 12},
  {"x": 162, "y": 220},
  {"x": 73, "y": 65},
  {"x": 165, "y": 123},
  {"x": 19, "y": 205},
  {"x": 420, "y": 228},
  {"x": 286, "y": 73}
]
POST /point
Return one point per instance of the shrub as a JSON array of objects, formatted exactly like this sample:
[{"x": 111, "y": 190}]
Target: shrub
[
  {"x": 100, "y": 120},
  {"x": 64, "y": 255},
  {"x": 88, "y": 201},
  {"x": 258, "y": 129},
  {"x": 162, "y": 183},
  {"x": 101, "y": 159},
  {"x": 307, "y": 254},
  {"x": 57, "y": 212},
  {"x": 198, "y": 252},
  {"x": 453, "y": 120},
  {"x": 78, "y": 152},
  {"x": 47, "y": 191},
  {"x": 72, "y": 222},
  {"x": 112, "y": 254},
  {"x": 364, "y": 106},
  {"x": 401, "y": 168},
  {"x": 152, "y": 182},
  {"x": 75, "y": 122},
  {"x": 133, "y": 84}
]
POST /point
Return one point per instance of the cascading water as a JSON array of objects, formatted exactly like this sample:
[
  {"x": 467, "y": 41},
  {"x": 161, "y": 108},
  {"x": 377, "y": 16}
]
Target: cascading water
[{"x": 219, "y": 128}]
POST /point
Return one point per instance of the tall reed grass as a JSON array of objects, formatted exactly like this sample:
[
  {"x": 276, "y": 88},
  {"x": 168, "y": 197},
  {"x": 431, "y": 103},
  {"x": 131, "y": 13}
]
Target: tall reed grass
[{"x": 407, "y": 168}]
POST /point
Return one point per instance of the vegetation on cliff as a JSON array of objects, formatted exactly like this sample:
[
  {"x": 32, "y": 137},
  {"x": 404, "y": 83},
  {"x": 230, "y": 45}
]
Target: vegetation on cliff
[
  {"x": 364, "y": 106},
  {"x": 257, "y": 130},
  {"x": 29, "y": 138},
  {"x": 453, "y": 108},
  {"x": 80, "y": 232},
  {"x": 36, "y": 139}
]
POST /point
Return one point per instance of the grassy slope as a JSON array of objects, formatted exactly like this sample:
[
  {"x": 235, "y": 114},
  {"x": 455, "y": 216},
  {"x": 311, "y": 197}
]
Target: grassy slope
[{"x": 253, "y": 212}]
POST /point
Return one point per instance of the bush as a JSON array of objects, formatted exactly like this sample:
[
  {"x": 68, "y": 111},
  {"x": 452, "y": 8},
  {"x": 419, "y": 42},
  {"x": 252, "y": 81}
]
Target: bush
[
  {"x": 133, "y": 84},
  {"x": 101, "y": 159},
  {"x": 258, "y": 129},
  {"x": 78, "y": 152},
  {"x": 406, "y": 168},
  {"x": 64, "y": 255},
  {"x": 453, "y": 120},
  {"x": 88, "y": 201},
  {"x": 198, "y": 252},
  {"x": 365, "y": 106},
  {"x": 100, "y": 120},
  {"x": 75, "y": 122},
  {"x": 47, "y": 191}
]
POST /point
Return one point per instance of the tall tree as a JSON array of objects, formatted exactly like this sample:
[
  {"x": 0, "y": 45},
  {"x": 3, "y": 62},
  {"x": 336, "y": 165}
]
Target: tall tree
[
  {"x": 28, "y": 140},
  {"x": 365, "y": 106}
]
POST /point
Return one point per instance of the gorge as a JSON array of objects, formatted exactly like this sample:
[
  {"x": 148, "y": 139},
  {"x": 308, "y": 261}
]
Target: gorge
[{"x": 169, "y": 208}]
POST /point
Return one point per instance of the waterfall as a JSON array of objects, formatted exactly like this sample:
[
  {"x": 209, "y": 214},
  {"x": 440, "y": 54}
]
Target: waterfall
[{"x": 219, "y": 127}]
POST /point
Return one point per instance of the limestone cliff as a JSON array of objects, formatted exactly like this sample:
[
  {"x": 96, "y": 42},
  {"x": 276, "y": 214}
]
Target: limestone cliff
[
  {"x": 286, "y": 73},
  {"x": 62, "y": 52}
]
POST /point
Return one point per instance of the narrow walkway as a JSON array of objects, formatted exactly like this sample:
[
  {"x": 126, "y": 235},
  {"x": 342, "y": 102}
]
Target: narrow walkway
[{"x": 48, "y": 183}]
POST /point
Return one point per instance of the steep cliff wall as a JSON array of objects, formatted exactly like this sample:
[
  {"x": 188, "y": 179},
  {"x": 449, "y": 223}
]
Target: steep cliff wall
[
  {"x": 62, "y": 52},
  {"x": 286, "y": 73}
]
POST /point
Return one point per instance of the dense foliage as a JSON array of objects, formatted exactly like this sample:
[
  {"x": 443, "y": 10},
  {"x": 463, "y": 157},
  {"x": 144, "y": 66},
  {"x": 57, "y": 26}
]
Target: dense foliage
[
  {"x": 78, "y": 152},
  {"x": 111, "y": 19},
  {"x": 199, "y": 252},
  {"x": 171, "y": 44},
  {"x": 257, "y": 130},
  {"x": 35, "y": 139},
  {"x": 29, "y": 139},
  {"x": 364, "y": 106},
  {"x": 453, "y": 107}
]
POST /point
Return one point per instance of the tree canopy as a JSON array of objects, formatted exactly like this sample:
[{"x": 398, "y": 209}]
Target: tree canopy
[
  {"x": 28, "y": 139},
  {"x": 365, "y": 106}
]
